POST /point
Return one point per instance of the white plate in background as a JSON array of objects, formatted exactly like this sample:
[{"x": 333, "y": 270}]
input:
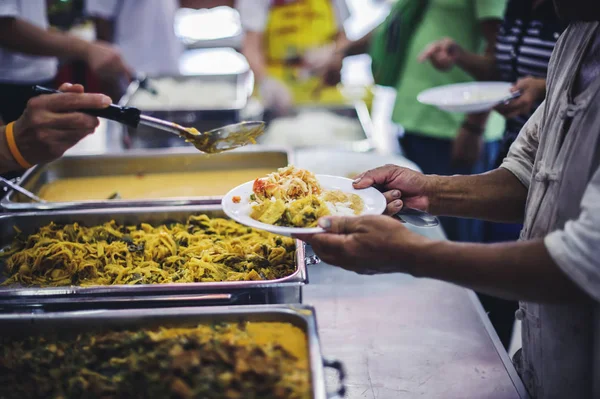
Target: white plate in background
[{"x": 467, "y": 97}]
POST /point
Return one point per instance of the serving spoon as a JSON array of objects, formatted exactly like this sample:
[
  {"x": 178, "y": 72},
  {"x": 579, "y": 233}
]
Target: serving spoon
[{"x": 212, "y": 142}]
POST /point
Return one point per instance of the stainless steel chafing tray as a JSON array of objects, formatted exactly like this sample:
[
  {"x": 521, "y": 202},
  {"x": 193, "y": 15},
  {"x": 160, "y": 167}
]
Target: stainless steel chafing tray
[
  {"x": 139, "y": 162},
  {"x": 358, "y": 111},
  {"x": 201, "y": 116},
  {"x": 284, "y": 290},
  {"x": 302, "y": 317}
]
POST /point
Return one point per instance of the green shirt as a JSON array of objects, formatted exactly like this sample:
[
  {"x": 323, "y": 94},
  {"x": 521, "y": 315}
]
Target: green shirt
[{"x": 459, "y": 20}]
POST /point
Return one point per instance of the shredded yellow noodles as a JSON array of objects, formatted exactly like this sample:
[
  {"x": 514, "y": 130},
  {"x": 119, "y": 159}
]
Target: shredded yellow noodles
[
  {"x": 201, "y": 250},
  {"x": 293, "y": 197}
]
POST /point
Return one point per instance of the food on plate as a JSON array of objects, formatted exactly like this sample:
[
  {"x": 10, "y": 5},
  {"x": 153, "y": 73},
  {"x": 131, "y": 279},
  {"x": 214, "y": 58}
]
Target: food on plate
[
  {"x": 225, "y": 360},
  {"x": 313, "y": 128},
  {"x": 478, "y": 96},
  {"x": 201, "y": 250},
  {"x": 185, "y": 94},
  {"x": 148, "y": 186},
  {"x": 293, "y": 197}
]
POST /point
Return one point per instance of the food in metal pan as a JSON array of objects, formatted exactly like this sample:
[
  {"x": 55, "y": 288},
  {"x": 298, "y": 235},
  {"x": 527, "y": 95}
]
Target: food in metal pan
[
  {"x": 293, "y": 197},
  {"x": 201, "y": 250},
  {"x": 148, "y": 185},
  {"x": 185, "y": 94},
  {"x": 242, "y": 360},
  {"x": 313, "y": 128}
]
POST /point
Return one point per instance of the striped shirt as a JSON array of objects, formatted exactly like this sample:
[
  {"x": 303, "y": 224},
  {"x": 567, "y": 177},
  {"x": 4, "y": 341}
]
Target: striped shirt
[{"x": 524, "y": 45}]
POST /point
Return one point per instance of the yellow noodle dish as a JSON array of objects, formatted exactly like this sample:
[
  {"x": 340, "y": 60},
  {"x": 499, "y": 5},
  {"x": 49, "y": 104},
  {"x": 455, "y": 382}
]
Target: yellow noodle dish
[
  {"x": 201, "y": 250},
  {"x": 226, "y": 360},
  {"x": 293, "y": 197},
  {"x": 148, "y": 186}
]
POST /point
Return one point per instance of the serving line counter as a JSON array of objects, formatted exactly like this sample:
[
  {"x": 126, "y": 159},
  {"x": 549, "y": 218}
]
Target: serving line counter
[
  {"x": 401, "y": 337},
  {"x": 398, "y": 337}
]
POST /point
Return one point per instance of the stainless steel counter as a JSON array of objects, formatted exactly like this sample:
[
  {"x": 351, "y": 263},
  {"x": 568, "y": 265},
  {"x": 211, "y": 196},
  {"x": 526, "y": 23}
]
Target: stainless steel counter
[{"x": 401, "y": 337}]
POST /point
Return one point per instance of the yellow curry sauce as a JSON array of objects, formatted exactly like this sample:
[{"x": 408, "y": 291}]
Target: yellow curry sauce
[{"x": 148, "y": 186}]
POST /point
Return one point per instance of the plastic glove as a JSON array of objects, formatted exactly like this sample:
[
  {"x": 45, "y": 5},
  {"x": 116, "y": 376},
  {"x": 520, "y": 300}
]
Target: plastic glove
[
  {"x": 320, "y": 58},
  {"x": 275, "y": 96}
]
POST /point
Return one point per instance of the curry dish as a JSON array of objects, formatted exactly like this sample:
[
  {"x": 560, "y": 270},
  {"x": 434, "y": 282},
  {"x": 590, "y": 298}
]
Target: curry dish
[
  {"x": 242, "y": 360},
  {"x": 201, "y": 250},
  {"x": 293, "y": 197},
  {"x": 148, "y": 186}
]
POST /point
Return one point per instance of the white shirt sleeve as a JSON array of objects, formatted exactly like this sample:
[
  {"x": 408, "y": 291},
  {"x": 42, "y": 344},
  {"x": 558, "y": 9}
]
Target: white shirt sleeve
[
  {"x": 576, "y": 248},
  {"x": 522, "y": 153},
  {"x": 106, "y": 9},
  {"x": 342, "y": 13},
  {"x": 9, "y": 8},
  {"x": 253, "y": 14}
]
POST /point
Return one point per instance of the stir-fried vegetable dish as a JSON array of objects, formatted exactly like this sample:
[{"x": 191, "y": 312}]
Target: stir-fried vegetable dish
[
  {"x": 201, "y": 250},
  {"x": 293, "y": 197},
  {"x": 265, "y": 360}
]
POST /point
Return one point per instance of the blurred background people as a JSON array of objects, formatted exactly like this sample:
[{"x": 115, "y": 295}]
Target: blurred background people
[
  {"x": 283, "y": 38},
  {"x": 144, "y": 31},
  {"x": 524, "y": 45},
  {"x": 29, "y": 52},
  {"x": 439, "y": 142}
]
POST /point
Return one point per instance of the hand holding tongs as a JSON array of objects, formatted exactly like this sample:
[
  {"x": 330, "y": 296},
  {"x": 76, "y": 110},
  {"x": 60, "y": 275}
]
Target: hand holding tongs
[
  {"x": 211, "y": 142},
  {"x": 510, "y": 97}
]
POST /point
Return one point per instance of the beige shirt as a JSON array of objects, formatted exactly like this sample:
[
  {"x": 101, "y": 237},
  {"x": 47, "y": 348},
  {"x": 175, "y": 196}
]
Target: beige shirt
[{"x": 557, "y": 156}]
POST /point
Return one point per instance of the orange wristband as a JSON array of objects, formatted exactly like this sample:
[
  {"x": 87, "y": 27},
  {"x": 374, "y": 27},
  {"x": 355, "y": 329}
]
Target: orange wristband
[{"x": 12, "y": 146}]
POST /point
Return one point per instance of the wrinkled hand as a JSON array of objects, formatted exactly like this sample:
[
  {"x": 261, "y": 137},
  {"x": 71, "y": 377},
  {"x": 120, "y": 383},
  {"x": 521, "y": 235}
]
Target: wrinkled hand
[
  {"x": 466, "y": 148},
  {"x": 366, "y": 244},
  {"x": 275, "y": 96},
  {"x": 106, "y": 61},
  {"x": 443, "y": 54},
  {"x": 50, "y": 124},
  {"x": 533, "y": 90},
  {"x": 400, "y": 186}
]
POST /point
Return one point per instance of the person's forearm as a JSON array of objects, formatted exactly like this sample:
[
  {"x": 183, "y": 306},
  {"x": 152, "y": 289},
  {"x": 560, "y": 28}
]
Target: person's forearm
[
  {"x": 23, "y": 37},
  {"x": 105, "y": 29},
  {"x": 518, "y": 271},
  {"x": 480, "y": 67},
  {"x": 7, "y": 162},
  {"x": 495, "y": 196},
  {"x": 357, "y": 47},
  {"x": 252, "y": 49}
]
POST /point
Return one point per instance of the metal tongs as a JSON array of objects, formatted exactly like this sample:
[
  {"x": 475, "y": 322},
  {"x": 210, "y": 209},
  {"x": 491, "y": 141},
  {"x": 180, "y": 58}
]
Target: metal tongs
[
  {"x": 8, "y": 184},
  {"x": 416, "y": 217},
  {"x": 214, "y": 141}
]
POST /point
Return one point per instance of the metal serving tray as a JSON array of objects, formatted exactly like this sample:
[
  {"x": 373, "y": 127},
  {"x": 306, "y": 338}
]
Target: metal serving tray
[
  {"x": 134, "y": 162},
  {"x": 284, "y": 290},
  {"x": 203, "y": 118},
  {"x": 358, "y": 111},
  {"x": 302, "y": 317}
]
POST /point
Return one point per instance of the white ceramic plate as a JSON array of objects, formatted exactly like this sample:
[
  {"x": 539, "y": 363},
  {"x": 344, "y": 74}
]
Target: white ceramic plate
[
  {"x": 467, "y": 97},
  {"x": 375, "y": 204}
]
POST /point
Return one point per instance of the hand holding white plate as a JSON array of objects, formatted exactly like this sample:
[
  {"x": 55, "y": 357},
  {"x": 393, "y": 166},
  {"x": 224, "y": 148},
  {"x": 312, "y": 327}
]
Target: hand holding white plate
[
  {"x": 468, "y": 97},
  {"x": 374, "y": 204}
]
